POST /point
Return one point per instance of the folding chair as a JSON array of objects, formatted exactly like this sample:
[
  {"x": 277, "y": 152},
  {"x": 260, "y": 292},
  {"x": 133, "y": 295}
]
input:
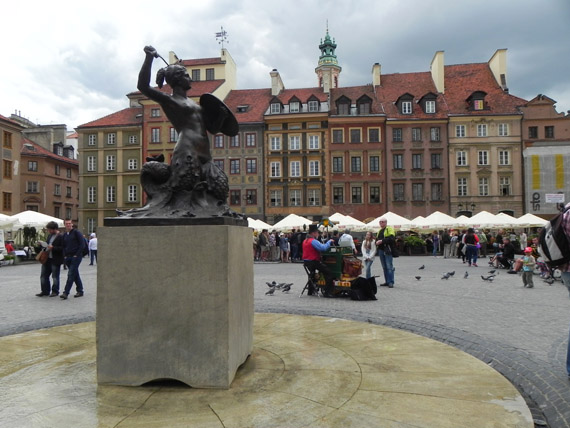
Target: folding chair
[{"x": 311, "y": 285}]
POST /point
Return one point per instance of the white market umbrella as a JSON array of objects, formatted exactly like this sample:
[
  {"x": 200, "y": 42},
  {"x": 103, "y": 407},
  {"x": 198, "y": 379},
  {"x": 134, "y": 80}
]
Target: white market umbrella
[
  {"x": 461, "y": 222},
  {"x": 337, "y": 217},
  {"x": 484, "y": 219},
  {"x": 396, "y": 221},
  {"x": 350, "y": 223},
  {"x": 292, "y": 221},
  {"x": 434, "y": 221},
  {"x": 508, "y": 220},
  {"x": 35, "y": 219},
  {"x": 531, "y": 220},
  {"x": 257, "y": 224}
]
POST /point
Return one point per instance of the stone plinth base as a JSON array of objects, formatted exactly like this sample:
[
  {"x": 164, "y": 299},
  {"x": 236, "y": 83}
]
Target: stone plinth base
[{"x": 174, "y": 302}]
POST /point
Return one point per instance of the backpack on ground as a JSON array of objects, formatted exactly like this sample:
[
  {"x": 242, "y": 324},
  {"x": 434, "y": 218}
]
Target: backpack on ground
[{"x": 553, "y": 244}]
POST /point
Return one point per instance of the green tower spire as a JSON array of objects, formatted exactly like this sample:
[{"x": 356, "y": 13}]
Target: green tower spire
[{"x": 327, "y": 48}]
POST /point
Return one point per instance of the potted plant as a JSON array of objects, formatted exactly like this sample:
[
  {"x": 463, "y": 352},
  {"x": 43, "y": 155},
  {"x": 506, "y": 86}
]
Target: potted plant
[{"x": 414, "y": 245}]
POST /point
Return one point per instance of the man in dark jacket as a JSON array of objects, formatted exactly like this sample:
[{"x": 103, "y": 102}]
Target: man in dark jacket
[
  {"x": 53, "y": 264},
  {"x": 508, "y": 254},
  {"x": 73, "y": 244}
]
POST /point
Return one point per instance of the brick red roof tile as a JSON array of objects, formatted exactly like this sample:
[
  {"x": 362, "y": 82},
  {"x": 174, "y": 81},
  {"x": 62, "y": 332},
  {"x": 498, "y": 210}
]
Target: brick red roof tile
[
  {"x": 125, "y": 117},
  {"x": 13, "y": 122},
  {"x": 463, "y": 79},
  {"x": 256, "y": 100},
  {"x": 29, "y": 148},
  {"x": 303, "y": 94},
  {"x": 202, "y": 61},
  {"x": 353, "y": 93}
]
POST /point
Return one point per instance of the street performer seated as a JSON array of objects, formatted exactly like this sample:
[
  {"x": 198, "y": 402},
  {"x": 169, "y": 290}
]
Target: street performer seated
[{"x": 312, "y": 250}]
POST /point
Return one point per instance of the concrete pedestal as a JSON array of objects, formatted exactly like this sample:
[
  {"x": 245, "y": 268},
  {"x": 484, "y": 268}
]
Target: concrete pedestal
[{"x": 174, "y": 302}]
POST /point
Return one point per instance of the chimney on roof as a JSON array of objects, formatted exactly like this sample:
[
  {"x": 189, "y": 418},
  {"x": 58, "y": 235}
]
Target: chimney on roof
[
  {"x": 437, "y": 69},
  {"x": 498, "y": 66},
  {"x": 276, "y": 83},
  {"x": 376, "y": 69}
]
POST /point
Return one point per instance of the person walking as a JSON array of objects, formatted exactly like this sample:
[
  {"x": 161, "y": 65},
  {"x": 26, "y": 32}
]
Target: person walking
[
  {"x": 52, "y": 266},
  {"x": 470, "y": 241},
  {"x": 368, "y": 253},
  {"x": 446, "y": 241},
  {"x": 385, "y": 240},
  {"x": 73, "y": 246},
  {"x": 435, "y": 241},
  {"x": 93, "y": 248}
]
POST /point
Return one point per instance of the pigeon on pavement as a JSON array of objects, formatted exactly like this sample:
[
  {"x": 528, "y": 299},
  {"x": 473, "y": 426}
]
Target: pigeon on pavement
[
  {"x": 271, "y": 284},
  {"x": 489, "y": 278},
  {"x": 270, "y": 291},
  {"x": 451, "y": 273},
  {"x": 286, "y": 287},
  {"x": 445, "y": 276},
  {"x": 422, "y": 267},
  {"x": 493, "y": 271},
  {"x": 466, "y": 274},
  {"x": 418, "y": 277}
]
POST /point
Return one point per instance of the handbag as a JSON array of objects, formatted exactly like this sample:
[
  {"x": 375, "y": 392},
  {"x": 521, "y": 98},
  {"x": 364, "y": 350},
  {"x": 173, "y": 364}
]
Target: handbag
[{"x": 42, "y": 257}]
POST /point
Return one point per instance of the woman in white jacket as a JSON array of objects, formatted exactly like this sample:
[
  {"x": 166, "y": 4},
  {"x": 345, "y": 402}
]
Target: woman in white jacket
[{"x": 368, "y": 252}]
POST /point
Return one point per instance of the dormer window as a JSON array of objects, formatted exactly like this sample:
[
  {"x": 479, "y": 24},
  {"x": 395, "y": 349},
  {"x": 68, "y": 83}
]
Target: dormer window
[
  {"x": 242, "y": 108},
  {"x": 430, "y": 106},
  {"x": 275, "y": 108},
  {"x": 404, "y": 103},
  {"x": 363, "y": 105},
  {"x": 343, "y": 106},
  {"x": 476, "y": 101},
  {"x": 406, "y": 107},
  {"x": 294, "y": 107},
  {"x": 313, "y": 106}
]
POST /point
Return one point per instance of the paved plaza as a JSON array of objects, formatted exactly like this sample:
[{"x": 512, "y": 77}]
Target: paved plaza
[{"x": 520, "y": 332}]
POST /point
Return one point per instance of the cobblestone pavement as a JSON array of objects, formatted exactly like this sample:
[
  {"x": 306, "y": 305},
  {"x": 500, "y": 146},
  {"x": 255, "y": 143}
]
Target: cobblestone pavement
[{"x": 520, "y": 332}]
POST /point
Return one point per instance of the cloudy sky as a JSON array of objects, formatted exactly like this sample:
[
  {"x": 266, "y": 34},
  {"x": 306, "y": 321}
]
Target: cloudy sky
[{"x": 73, "y": 62}]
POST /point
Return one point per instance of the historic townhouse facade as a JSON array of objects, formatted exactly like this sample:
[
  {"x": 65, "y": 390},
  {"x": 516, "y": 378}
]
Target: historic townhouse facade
[
  {"x": 242, "y": 157},
  {"x": 109, "y": 166},
  {"x": 356, "y": 153},
  {"x": 485, "y": 152},
  {"x": 49, "y": 180},
  {"x": 10, "y": 144},
  {"x": 546, "y": 154}
]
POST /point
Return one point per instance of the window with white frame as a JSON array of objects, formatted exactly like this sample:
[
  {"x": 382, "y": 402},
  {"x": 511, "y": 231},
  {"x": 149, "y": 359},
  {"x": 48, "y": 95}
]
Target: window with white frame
[
  {"x": 416, "y": 134},
  {"x": 483, "y": 157},
  {"x": 92, "y": 139},
  {"x": 250, "y": 140},
  {"x": 155, "y": 135},
  {"x": 483, "y": 186},
  {"x": 32, "y": 187},
  {"x": 154, "y": 112},
  {"x": 33, "y": 166},
  {"x": 90, "y": 225},
  {"x": 91, "y": 194},
  {"x": 505, "y": 186},
  {"x": 294, "y": 142},
  {"x": 337, "y": 164},
  {"x": 313, "y": 106},
  {"x": 406, "y": 107},
  {"x": 219, "y": 141},
  {"x": 430, "y": 106},
  {"x": 173, "y": 134},
  {"x": 417, "y": 161},
  {"x": 111, "y": 138},
  {"x": 294, "y": 107},
  {"x": 397, "y": 134},
  {"x": 398, "y": 190},
  {"x": 504, "y": 157},
  {"x": 275, "y": 143},
  {"x": 132, "y": 164},
  {"x": 275, "y": 169},
  {"x": 132, "y": 193},
  {"x": 314, "y": 168},
  {"x": 251, "y": 197},
  {"x": 374, "y": 195},
  {"x": 235, "y": 166},
  {"x": 398, "y": 161},
  {"x": 111, "y": 162},
  {"x": 91, "y": 163},
  {"x": 275, "y": 108},
  {"x": 338, "y": 195},
  {"x": 417, "y": 191},
  {"x": 111, "y": 194},
  {"x": 503, "y": 129},
  {"x": 374, "y": 163},
  {"x": 462, "y": 186},
  {"x": 234, "y": 141},
  {"x": 295, "y": 169},
  {"x": 355, "y": 164},
  {"x": 295, "y": 198},
  {"x": 57, "y": 189},
  {"x": 461, "y": 158},
  {"x": 235, "y": 197},
  {"x": 251, "y": 166},
  {"x": 460, "y": 131},
  {"x": 133, "y": 139},
  {"x": 275, "y": 198},
  {"x": 314, "y": 197},
  {"x": 436, "y": 191},
  {"x": 314, "y": 142},
  {"x": 356, "y": 195},
  {"x": 436, "y": 160},
  {"x": 434, "y": 133},
  {"x": 482, "y": 130}
]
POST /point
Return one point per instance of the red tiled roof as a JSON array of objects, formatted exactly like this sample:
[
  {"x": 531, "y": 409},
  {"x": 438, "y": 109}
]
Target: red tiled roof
[
  {"x": 29, "y": 148},
  {"x": 353, "y": 93},
  {"x": 126, "y": 117},
  {"x": 202, "y": 61},
  {"x": 303, "y": 94},
  {"x": 464, "y": 79},
  {"x": 72, "y": 136},
  {"x": 13, "y": 122},
  {"x": 256, "y": 100},
  {"x": 393, "y": 86}
]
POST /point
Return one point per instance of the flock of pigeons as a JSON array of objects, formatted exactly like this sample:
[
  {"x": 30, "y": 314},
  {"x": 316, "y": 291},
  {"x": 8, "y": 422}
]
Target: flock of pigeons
[
  {"x": 447, "y": 275},
  {"x": 283, "y": 286}
]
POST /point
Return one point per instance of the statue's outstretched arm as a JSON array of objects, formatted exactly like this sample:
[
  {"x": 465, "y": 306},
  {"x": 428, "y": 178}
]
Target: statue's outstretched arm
[{"x": 144, "y": 77}]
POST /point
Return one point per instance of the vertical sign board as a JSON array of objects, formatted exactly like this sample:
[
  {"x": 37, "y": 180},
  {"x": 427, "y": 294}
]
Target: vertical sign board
[{"x": 547, "y": 172}]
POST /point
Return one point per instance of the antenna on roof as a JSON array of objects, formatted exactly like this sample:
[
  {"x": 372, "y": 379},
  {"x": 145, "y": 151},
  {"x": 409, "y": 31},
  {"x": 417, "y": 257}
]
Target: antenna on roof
[{"x": 222, "y": 36}]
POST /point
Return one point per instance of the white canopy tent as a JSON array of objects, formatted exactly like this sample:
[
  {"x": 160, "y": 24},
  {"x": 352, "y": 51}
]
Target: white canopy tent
[
  {"x": 484, "y": 220},
  {"x": 292, "y": 221},
  {"x": 396, "y": 221},
  {"x": 531, "y": 220},
  {"x": 507, "y": 220},
  {"x": 35, "y": 219},
  {"x": 258, "y": 225},
  {"x": 435, "y": 221}
]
